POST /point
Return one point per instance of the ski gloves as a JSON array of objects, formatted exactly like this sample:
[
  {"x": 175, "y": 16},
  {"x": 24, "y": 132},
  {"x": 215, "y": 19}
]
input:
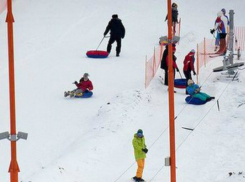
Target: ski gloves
[
  {"x": 194, "y": 72},
  {"x": 212, "y": 31},
  {"x": 145, "y": 150}
]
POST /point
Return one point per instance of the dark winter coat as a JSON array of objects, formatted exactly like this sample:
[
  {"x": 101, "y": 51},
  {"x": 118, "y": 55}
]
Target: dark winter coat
[
  {"x": 85, "y": 85},
  {"x": 174, "y": 61},
  {"x": 175, "y": 14},
  {"x": 116, "y": 27},
  {"x": 163, "y": 62}
]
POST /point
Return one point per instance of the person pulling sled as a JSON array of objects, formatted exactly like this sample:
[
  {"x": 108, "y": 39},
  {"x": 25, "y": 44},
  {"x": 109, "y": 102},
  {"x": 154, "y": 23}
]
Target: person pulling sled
[{"x": 84, "y": 85}]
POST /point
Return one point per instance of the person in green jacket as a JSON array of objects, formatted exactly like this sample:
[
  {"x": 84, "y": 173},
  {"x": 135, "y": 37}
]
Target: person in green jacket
[{"x": 140, "y": 151}]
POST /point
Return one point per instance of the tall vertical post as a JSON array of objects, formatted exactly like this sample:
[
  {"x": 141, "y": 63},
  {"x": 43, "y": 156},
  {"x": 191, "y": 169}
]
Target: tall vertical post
[
  {"x": 231, "y": 36},
  {"x": 13, "y": 168},
  {"x": 171, "y": 95},
  {"x": 197, "y": 62},
  {"x": 204, "y": 47}
]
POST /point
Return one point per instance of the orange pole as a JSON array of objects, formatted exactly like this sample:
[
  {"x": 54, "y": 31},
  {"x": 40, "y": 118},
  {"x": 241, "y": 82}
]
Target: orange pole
[
  {"x": 145, "y": 71},
  {"x": 197, "y": 63},
  {"x": 171, "y": 96},
  {"x": 13, "y": 168},
  {"x": 204, "y": 51},
  {"x": 154, "y": 63}
]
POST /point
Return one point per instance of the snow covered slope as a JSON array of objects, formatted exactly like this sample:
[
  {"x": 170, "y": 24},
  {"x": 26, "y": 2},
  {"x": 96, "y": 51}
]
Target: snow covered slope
[{"x": 74, "y": 140}]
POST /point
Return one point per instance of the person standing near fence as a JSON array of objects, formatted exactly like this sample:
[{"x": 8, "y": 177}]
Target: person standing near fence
[
  {"x": 221, "y": 24},
  {"x": 140, "y": 151},
  {"x": 164, "y": 63},
  {"x": 117, "y": 33},
  {"x": 175, "y": 14},
  {"x": 189, "y": 66}
]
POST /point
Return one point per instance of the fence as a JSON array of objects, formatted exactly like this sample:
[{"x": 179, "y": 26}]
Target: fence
[
  {"x": 240, "y": 38},
  {"x": 152, "y": 65},
  {"x": 3, "y": 5}
]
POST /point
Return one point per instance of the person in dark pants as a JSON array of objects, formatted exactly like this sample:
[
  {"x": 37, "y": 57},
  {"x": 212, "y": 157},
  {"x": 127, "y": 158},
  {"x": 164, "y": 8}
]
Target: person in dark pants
[
  {"x": 189, "y": 66},
  {"x": 164, "y": 63},
  {"x": 175, "y": 14},
  {"x": 117, "y": 32}
]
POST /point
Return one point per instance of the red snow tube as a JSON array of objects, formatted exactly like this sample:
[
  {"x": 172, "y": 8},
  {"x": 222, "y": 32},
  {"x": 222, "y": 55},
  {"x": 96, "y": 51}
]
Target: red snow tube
[{"x": 97, "y": 54}]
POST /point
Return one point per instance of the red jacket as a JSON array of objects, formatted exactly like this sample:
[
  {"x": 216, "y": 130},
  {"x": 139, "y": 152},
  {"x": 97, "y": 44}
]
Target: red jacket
[
  {"x": 174, "y": 61},
  {"x": 189, "y": 62},
  {"x": 84, "y": 85}
]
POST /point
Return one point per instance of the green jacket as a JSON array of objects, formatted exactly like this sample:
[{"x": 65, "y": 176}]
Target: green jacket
[{"x": 139, "y": 144}]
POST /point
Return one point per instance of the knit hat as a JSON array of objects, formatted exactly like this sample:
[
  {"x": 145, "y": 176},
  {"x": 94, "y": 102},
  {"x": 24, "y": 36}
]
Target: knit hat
[
  {"x": 219, "y": 14},
  {"x": 193, "y": 51},
  {"x": 174, "y": 5},
  {"x": 115, "y": 16},
  {"x": 86, "y": 75},
  {"x": 140, "y": 133},
  {"x": 223, "y": 10},
  {"x": 190, "y": 82}
]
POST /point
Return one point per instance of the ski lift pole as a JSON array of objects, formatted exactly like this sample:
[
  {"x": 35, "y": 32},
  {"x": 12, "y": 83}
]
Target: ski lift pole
[
  {"x": 13, "y": 168},
  {"x": 171, "y": 96}
]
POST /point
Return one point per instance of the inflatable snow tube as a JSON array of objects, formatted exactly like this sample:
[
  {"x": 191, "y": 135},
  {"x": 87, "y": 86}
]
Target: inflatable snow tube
[
  {"x": 85, "y": 95},
  {"x": 180, "y": 83},
  {"x": 97, "y": 54},
  {"x": 194, "y": 101}
]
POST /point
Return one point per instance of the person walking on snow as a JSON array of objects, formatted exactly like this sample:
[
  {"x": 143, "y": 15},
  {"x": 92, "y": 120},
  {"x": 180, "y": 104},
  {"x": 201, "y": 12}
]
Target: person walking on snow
[
  {"x": 140, "y": 151},
  {"x": 84, "y": 85},
  {"x": 175, "y": 14},
  {"x": 194, "y": 90},
  {"x": 221, "y": 25},
  {"x": 189, "y": 66},
  {"x": 117, "y": 32}
]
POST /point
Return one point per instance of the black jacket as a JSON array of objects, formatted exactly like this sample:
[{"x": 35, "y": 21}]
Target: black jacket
[
  {"x": 116, "y": 27},
  {"x": 175, "y": 14}
]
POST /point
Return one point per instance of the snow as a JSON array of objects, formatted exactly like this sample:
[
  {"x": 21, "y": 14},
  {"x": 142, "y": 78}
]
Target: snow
[{"x": 77, "y": 140}]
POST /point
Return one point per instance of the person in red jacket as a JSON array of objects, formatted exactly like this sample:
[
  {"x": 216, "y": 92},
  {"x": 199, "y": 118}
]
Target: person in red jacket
[
  {"x": 189, "y": 66},
  {"x": 84, "y": 85}
]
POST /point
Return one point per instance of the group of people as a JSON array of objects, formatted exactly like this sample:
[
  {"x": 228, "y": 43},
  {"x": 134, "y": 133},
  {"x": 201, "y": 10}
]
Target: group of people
[
  {"x": 221, "y": 27},
  {"x": 117, "y": 33}
]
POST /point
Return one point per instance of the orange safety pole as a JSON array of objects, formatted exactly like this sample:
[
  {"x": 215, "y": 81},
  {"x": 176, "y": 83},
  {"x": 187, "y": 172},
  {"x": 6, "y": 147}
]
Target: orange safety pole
[
  {"x": 154, "y": 62},
  {"x": 171, "y": 96},
  {"x": 204, "y": 51},
  {"x": 145, "y": 71},
  {"x": 197, "y": 63},
  {"x": 13, "y": 168}
]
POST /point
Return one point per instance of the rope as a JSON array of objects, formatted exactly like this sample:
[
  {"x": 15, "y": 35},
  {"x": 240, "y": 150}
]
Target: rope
[{"x": 197, "y": 124}]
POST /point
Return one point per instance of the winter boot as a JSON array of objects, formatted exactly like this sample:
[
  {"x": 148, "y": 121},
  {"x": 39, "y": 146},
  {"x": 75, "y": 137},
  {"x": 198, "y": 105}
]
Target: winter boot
[
  {"x": 117, "y": 54},
  {"x": 136, "y": 179},
  {"x": 72, "y": 94},
  {"x": 66, "y": 94},
  {"x": 140, "y": 179}
]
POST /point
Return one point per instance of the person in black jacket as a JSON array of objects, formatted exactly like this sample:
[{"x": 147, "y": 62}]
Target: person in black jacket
[
  {"x": 117, "y": 33},
  {"x": 175, "y": 14},
  {"x": 164, "y": 63}
]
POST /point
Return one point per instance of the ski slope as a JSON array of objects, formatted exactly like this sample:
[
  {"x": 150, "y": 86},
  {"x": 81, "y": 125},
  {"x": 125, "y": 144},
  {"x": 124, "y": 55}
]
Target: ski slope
[{"x": 80, "y": 140}]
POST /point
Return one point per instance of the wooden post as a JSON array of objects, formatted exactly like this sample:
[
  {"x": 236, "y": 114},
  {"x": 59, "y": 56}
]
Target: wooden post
[
  {"x": 13, "y": 168},
  {"x": 171, "y": 96}
]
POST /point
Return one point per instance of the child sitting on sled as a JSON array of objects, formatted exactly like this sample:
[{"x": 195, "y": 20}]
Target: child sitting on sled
[
  {"x": 84, "y": 85},
  {"x": 194, "y": 90}
]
